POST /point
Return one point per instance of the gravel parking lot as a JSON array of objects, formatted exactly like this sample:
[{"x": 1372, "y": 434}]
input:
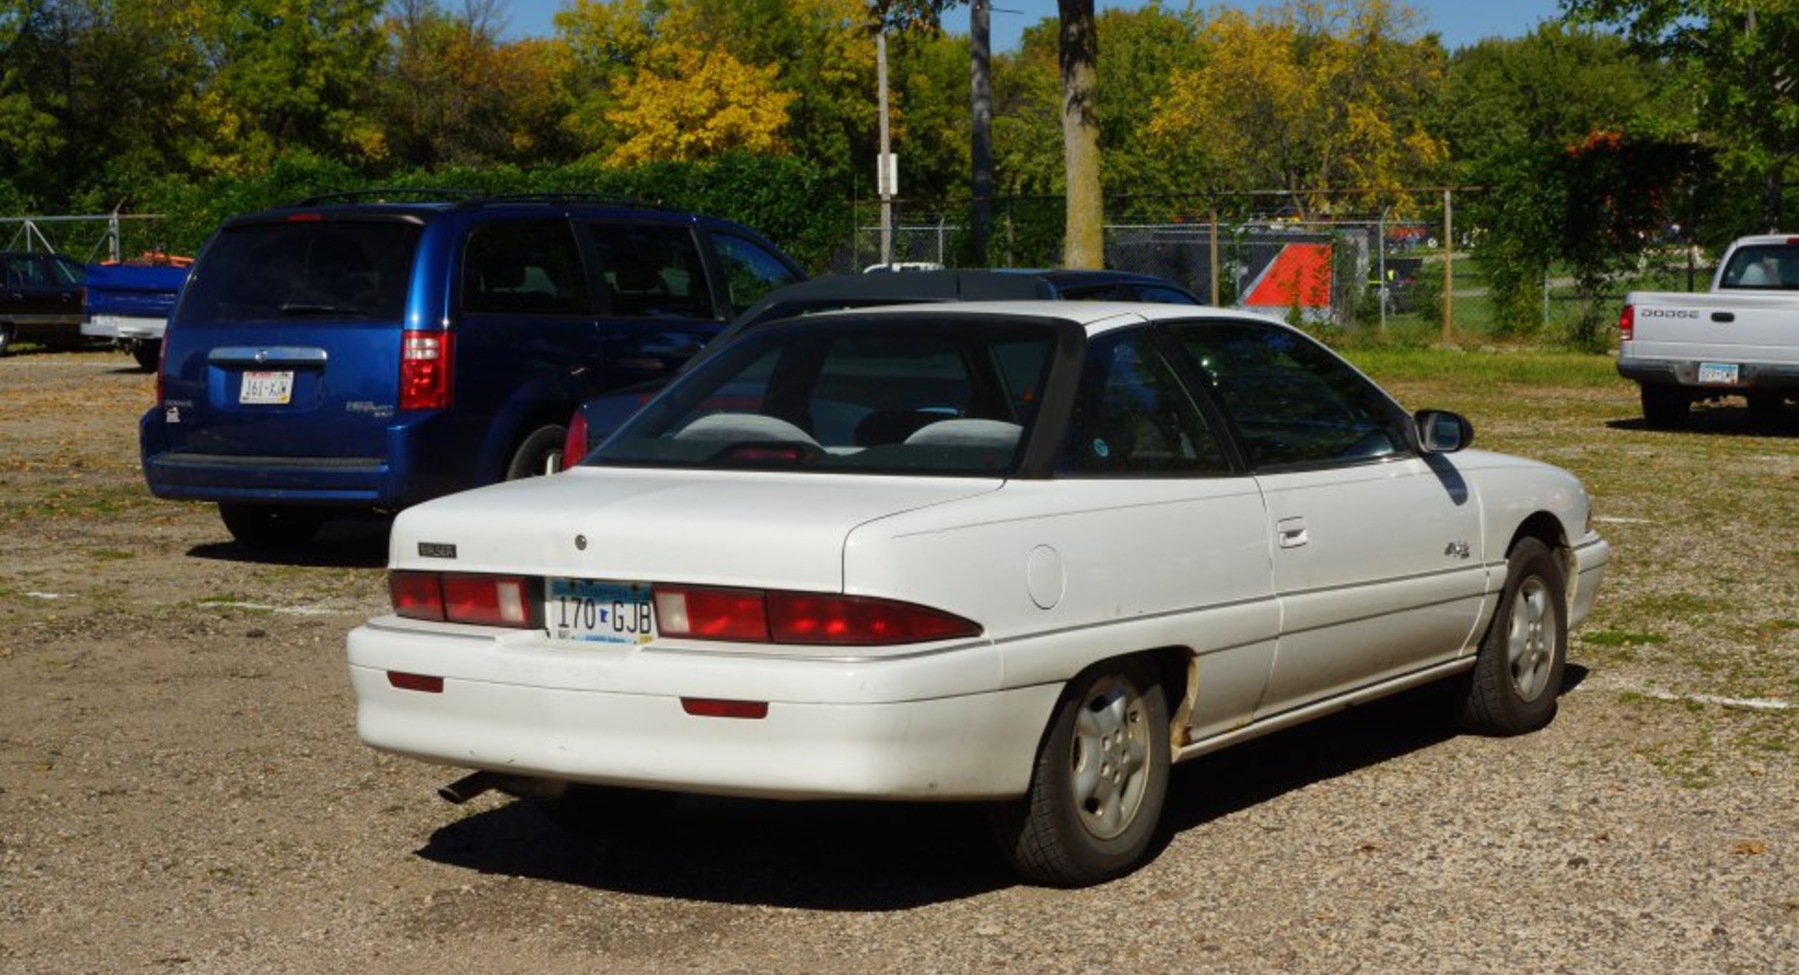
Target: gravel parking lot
[{"x": 181, "y": 788}]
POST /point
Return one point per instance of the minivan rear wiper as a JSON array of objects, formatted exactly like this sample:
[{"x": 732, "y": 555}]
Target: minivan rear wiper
[{"x": 308, "y": 308}]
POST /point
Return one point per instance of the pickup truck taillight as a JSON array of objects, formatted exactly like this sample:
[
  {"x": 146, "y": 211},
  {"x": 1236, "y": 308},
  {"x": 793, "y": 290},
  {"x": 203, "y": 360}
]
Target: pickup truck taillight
[
  {"x": 1627, "y": 323},
  {"x": 425, "y": 370}
]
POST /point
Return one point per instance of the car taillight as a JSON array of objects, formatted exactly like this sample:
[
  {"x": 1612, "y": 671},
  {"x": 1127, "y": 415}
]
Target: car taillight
[
  {"x": 812, "y": 619},
  {"x": 426, "y": 363},
  {"x": 574, "y": 443},
  {"x": 1627, "y": 323},
  {"x": 485, "y": 600}
]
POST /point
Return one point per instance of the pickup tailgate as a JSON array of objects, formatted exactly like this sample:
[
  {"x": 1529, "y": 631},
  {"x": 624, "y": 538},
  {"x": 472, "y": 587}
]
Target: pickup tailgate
[{"x": 1733, "y": 328}]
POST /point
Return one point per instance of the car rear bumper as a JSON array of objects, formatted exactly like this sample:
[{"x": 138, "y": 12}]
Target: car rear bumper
[{"x": 872, "y": 728}]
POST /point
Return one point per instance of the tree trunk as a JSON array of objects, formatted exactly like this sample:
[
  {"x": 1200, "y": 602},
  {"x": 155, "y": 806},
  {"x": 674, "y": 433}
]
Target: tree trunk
[
  {"x": 1771, "y": 200},
  {"x": 1083, "y": 244}
]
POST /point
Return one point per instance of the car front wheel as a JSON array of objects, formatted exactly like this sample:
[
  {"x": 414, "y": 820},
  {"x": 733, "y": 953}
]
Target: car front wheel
[
  {"x": 1518, "y": 672},
  {"x": 1099, "y": 783}
]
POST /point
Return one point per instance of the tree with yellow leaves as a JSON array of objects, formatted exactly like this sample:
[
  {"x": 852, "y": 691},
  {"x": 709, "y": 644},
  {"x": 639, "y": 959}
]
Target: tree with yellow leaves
[
  {"x": 687, "y": 104},
  {"x": 1312, "y": 95}
]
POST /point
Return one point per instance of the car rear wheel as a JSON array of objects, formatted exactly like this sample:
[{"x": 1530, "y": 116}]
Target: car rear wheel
[
  {"x": 1665, "y": 407},
  {"x": 1099, "y": 784},
  {"x": 1518, "y": 672},
  {"x": 264, "y": 526},
  {"x": 538, "y": 453},
  {"x": 146, "y": 352}
]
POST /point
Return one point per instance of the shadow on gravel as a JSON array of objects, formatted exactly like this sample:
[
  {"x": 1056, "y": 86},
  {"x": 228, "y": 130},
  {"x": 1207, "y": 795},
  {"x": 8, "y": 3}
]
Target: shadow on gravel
[
  {"x": 343, "y": 543},
  {"x": 829, "y": 856},
  {"x": 847, "y": 856},
  {"x": 1724, "y": 421}
]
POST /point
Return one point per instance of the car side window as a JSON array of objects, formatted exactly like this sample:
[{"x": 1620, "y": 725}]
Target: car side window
[
  {"x": 524, "y": 267},
  {"x": 1295, "y": 403},
  {"x": 1133, "y": 416},
  {"x": 750, "y": 270},
  {"x": 68, "y": 273},
  {"x": 24, "y": 271},
  {"x": 650, "y": 271}
]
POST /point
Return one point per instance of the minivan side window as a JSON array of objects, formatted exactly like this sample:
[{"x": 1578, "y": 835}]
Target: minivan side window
[
  {"x": 750, "y": 270},
  {"x": 650, "y": 271},
  {"x": 524, "y": 267}
]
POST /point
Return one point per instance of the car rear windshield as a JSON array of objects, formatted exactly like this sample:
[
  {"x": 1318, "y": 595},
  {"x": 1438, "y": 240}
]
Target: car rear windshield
[
  {"x": 851, "y": 395},
  {"x": 330, "y": 269},
  {"x": 1774, "y": 267}
]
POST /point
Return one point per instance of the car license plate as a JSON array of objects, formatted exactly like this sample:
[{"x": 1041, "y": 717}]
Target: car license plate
[
  {"x": 599, "y": 612},
  {"x": 265, "y": 388},
  {"x": 1717, "y": 373}
]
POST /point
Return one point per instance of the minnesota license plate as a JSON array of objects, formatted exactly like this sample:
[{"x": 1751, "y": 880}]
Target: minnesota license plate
[
  {"x": 1717, "y": 373},
  {"x": 275, "y": 387},
  {"x": 599, "y": 612}
]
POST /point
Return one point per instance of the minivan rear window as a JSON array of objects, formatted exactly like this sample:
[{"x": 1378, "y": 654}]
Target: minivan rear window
[{"x": 298, "y": 270}]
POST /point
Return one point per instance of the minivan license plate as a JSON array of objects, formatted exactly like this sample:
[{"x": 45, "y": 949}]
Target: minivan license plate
[
  {"x": 599, "y": 612},
  {"x": 267, "y": 388},
  {"x": 1717, "y": 373}
]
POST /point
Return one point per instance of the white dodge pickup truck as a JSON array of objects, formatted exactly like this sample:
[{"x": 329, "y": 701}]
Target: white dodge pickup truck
[{"x": 1739, "y": 339}]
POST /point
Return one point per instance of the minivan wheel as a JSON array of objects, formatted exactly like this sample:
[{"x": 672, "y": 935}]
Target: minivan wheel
[
  {"x": 267, "y": 526},
  {"x": 539, "y": 453}
]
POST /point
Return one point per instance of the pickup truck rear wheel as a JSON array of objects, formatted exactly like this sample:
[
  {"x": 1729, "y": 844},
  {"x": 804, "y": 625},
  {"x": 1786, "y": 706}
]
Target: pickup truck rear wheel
[
  {"x": 146, "y": 352},
  {"x": 1665, "y": 407},
  {"x": 539, "y": 453},
  {"x": 1767, "y": 404},
  {"x": 271, "y": 527},
  {"x": 1099, "y": 783}
]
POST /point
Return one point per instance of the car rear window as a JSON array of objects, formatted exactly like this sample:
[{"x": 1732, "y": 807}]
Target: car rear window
[
  {"x": 843, "y": 395},
  {"x": 319, "y": 269}
]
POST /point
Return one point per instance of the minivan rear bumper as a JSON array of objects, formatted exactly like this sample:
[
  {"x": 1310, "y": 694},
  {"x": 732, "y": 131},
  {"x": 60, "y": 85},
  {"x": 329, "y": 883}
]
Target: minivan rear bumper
[{"x": 420, "y": 463}]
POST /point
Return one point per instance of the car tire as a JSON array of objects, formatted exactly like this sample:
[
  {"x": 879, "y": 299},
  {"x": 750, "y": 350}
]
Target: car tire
[
  {"x": 1099, "y": 783},
  {"x": 1517, "y": 674},
  {"x": 271, "y": 527},
  {"x": 1665, "y": 407},
  {"x": 1767, "y": 405},
  {"x": 146, "y": 352},
  {"x": 539, "y": 453},
  {"x": 596, "y": 811},
  {"x": 8, "y": 332}
]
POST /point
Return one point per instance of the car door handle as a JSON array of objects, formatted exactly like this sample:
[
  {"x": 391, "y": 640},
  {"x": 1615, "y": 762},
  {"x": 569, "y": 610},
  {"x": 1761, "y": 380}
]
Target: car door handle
[{"x": 1291, "y": 532}]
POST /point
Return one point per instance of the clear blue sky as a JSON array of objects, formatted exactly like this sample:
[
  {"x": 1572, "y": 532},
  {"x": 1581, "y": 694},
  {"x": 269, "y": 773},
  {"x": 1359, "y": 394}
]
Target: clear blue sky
[{"x": 1460, "y": 22}]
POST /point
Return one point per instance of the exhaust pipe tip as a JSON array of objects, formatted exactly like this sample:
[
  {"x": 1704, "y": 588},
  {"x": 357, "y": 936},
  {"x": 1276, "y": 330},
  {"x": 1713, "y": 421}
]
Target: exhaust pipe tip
[{"x": 467, "y": 787}]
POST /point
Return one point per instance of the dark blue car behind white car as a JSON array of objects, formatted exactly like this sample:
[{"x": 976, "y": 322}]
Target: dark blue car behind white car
[{"x": 336, "y": 357}]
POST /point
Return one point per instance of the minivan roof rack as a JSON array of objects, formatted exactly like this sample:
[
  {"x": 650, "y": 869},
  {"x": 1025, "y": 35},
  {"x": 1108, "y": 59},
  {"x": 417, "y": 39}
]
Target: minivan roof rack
[
  {"x": 573, "y": 196},
  {"x": 390, "y": 194}
]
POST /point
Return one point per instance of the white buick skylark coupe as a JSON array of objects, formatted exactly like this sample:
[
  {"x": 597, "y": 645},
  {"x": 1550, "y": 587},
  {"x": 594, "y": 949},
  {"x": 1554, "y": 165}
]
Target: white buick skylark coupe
[{"x": 1027, "y": 554}]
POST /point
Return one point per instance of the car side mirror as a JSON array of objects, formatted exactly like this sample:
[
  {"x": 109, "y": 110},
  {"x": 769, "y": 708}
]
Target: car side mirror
[{"x": 1442, "y": 432}]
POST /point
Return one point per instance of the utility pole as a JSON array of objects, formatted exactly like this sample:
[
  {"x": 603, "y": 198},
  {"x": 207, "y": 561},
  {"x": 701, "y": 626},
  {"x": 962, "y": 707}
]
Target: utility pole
[
  {"x": 886, "y": 168},
  {"x": 981, "y": 113}
]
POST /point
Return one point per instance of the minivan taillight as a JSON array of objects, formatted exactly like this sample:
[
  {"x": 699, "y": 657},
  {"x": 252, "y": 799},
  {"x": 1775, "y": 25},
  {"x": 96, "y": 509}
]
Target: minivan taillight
[
  {"x": 1627, "y": 323},
  {"x": 426, "y": 365}
]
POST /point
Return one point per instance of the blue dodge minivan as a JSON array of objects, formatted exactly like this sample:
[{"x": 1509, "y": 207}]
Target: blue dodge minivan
[{"x": 340, "y": 356}]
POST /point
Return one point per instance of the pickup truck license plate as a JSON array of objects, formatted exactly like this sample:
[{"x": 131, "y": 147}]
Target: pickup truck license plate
[
  {"x": 1717, "y": 373},
  {"x": 267, "y": 388},
  {"x": 599, "y": 612}
]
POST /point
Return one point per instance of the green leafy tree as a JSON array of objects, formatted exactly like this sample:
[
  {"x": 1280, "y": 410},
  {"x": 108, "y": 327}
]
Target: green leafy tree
[{"x": 1742, "y": 61}]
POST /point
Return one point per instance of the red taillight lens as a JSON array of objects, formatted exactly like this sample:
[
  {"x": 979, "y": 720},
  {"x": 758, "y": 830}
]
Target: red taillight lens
[
  {"x": 705, "y": 707},
  {"x": 859, "y": 621},
  {"x": 426, "y": 362},
  {"x": 484, "y": 600},
  {"x": 711, "y": 614},
  {"x": 1627, "y": 323},
  {"x": 416, "y": 595},
  {"x": 574, "y": 444},
  {"x": 813, "y": 619}
]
